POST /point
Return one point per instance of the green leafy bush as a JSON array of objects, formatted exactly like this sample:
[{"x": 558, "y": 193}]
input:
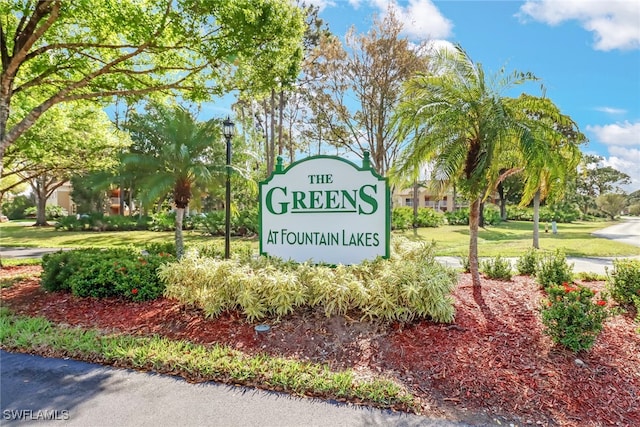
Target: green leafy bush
[
  {"x": 496, "y": 268},
  {"x": 410, "y": 284},
  {"x": 562, "y": 213},
  {"x": 624, "y": 282},
  {"x": 458, "y": 217},
  {"x": 491, "y": 215},
  {"x": 554, "y": 270},
  {"x": 527, "y": 264},
  {"x": 571, "y": 317},
  {"x": 50, "y": 212},
  {"x": 104, "y": 273},
  {"x": 402, "y": 218},
  {"x": 101, "y": 222},
  {"x": 15, "y": 209}
]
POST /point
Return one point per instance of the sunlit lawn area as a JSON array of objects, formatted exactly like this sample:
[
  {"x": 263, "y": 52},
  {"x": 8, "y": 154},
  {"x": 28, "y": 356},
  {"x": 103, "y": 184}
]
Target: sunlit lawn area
[
  {"x": 514, "y": 237},
  {"x": 506, "y": 239}
]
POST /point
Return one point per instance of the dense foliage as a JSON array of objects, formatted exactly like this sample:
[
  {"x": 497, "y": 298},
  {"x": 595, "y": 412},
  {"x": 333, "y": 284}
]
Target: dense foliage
[
  {"x": 624, "y": 281},
  {"x": 411, "y": 284},
  {"x": 105, "y": 273},
  {"x": 402, "y": 218},
  {"x": 571, "y": 317}
]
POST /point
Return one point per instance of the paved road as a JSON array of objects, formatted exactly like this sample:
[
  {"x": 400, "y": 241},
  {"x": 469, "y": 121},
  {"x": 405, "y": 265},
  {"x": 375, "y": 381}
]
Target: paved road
[
  {"x": 625, "y": 232},
  {"x": 84, "y": 394}
]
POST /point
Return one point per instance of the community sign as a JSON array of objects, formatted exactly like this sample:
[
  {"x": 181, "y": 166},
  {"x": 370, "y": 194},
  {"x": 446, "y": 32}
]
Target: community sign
[{"x": 325, "y": 209}]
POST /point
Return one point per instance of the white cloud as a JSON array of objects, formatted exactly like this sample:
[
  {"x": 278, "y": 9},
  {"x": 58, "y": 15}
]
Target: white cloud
[
  {"x": 321, "y": 4},
  {"x": 421, "y": 18},
  {"x": 611, "y": 110},
  {"x": 625, "y": 160},
  {"x": 618, "y": 134},
  {"x": 615, "y": 23}
]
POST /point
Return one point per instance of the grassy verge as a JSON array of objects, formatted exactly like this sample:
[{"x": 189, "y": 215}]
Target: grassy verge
[
  {"x": 513, "y": 238},
  {"x": 200, "y": 363}
]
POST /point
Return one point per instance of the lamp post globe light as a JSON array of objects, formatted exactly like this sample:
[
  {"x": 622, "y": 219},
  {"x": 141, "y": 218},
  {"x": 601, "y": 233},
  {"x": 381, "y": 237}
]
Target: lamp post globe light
[{"x": 228, "y": 130}]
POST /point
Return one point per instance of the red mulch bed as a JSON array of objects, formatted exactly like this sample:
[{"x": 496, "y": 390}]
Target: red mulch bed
[{"x": 493, "y": 363}]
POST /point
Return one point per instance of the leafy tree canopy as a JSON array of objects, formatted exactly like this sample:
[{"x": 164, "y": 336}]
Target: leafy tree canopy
[{"x": 55, "y": 51}]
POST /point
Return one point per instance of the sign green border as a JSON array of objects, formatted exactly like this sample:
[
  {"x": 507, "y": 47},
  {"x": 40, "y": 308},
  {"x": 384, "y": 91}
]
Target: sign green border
[{"x": 366, "y": 166}]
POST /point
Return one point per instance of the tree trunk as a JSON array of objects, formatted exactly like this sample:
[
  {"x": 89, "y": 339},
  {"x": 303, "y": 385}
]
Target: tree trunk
[
  {"x": 503, "y": 202},
  {"x": 179, "y": 237},
  {"x": 474, "y": 221},
  {"x": 415, "y": 205},
  {"x": 536, "y": 220}
]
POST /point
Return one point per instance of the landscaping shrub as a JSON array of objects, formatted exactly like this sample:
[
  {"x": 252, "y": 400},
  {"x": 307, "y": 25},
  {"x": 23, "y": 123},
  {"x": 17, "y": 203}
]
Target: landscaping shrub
[
  {"x": 104, "y": 273},
  {"x": 496, "y": 268},
  {"x": 411, "y": 284},
  {"x": 528, "y": 262},
  {"x": 243, "y": 223},
  {"x": 458, "y": 217},
  {"x": 402, "y": 218},
  {"x": 101, "y": 222},
  {"x": 624, "y": 282},
  {"x": 553, "y": 270},
  {"x": 50, "y": 212},
  {"x": 15, "y": 209},
  {"x": 561, "y": 213},
  {"x": 571, "y": 317},
  {"x": 491, "y": 214}
]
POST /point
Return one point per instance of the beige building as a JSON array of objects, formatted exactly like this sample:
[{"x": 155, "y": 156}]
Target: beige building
[
  {"x": 426, "y": 199},
  {"x": 61, "y": 196}
]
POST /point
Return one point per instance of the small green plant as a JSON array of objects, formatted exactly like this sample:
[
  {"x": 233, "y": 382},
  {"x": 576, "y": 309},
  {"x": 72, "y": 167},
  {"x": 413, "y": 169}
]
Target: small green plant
[
  {"x": 528, "y": 262},
  {"x": 496, "y": 268},
  {"x": 465, "y": 264},
  {"x": 624, "y": 282},
  {"x": 553, "y": 270},
  {"x": 571, "y": 317},
  {"x": 104, "y": 273},
  {"x": 590, "y": 276}
]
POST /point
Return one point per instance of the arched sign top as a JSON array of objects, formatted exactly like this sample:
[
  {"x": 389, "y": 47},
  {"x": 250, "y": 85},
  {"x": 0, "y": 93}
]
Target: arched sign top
[
  {"x": 325, "y": 209},
  {"x": 366, "y": 164}
]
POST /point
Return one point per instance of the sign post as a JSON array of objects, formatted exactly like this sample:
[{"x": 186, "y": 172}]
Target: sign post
[{"x": 325, "y": 209}]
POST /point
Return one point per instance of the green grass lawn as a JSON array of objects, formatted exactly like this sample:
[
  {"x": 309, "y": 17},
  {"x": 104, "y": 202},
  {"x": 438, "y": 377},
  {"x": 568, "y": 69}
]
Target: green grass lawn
[
  {"x": 507, "y": 239},
  {"x": 513, "y": 238}
]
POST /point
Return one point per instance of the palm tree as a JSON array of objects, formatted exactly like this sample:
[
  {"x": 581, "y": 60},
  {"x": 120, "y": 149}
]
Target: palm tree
[
  {"x": 459, "y": 120},
  {"x": 550, "y": 156},
  {"x": 175, "y": 154}
]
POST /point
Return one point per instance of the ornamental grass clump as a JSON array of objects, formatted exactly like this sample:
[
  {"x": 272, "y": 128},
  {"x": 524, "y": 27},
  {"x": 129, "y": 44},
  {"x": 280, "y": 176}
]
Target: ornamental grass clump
[
  {"x": 571, "y": 316},
  {"x": 411, "y": 284}
]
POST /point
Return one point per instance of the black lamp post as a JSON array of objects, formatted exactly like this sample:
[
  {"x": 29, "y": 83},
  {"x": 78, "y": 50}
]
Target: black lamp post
[{"x": 228, "y": 129}]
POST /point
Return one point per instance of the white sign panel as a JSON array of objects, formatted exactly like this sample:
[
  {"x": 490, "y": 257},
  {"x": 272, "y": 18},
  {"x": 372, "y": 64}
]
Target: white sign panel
[{"x": 325, "y": 209}]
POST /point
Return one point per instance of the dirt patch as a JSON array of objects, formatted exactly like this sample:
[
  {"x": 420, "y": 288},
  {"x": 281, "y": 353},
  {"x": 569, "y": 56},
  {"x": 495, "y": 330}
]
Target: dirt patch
[{"x": 493, "y": 363}]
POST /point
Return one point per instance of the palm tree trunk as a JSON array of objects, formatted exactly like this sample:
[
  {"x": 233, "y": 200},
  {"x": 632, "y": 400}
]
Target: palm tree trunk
[
  {"x": 474, "y": 221},
  {"x": 415, "y": 204},
  {"x": 179, "y": 238},
  {"x": 536, "y": 220}
]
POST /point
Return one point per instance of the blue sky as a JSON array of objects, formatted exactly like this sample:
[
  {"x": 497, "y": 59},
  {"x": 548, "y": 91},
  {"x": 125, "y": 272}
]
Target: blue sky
[{"x": 586, "y": 53}]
